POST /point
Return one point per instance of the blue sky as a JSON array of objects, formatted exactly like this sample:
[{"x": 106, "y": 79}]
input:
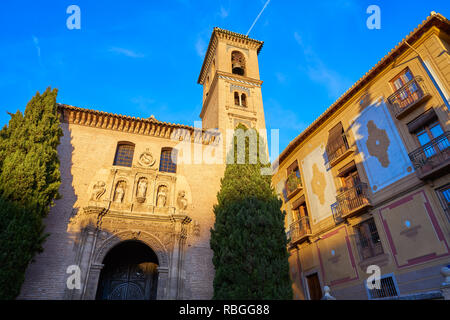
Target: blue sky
[{"x": 142, "y": 58}]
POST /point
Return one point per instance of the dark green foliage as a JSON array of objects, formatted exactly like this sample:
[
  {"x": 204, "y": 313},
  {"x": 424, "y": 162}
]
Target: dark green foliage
[
  {"x": 248, "y": 239},
  {"x": 29, "y": 182}
]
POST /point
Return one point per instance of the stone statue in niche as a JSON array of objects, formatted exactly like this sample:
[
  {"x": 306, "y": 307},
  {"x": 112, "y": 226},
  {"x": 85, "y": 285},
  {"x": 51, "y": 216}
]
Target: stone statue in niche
[
  {"x": 162, "y": 196},
  {"x": 141, "y": 190},
  {"x": 98, "y": 190},
  {"x": 182, "y": 201},
  {"x": 120, "y": 192}
]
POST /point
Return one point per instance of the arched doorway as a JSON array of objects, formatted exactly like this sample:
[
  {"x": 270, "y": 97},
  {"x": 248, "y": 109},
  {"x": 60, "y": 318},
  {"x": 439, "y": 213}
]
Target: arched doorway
[{"x": 129, "y": 273}]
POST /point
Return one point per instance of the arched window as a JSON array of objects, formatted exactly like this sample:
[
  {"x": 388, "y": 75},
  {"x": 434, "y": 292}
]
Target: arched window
[
  {"x": 236, "y": 99},
  {"x": 237, "y": 63},
  {"x": 240, "y": 99},
  {"x": 243, "y": 100},
  {"x": 166, "y": 162},
  {"x": 124, "y": 154}
]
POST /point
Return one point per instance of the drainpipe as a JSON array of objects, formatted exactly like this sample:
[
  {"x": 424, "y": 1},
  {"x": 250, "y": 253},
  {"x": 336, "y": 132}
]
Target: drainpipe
[{"x": 430, "y": 75}]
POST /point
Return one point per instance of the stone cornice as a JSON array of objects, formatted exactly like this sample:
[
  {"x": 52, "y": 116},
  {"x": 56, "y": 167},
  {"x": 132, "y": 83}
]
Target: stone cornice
[{"x": 149, "y": 127}]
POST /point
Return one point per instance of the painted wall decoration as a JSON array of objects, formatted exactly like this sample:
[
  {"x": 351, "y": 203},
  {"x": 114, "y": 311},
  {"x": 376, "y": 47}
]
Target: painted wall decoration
[
  {"x": 319, "y": 184},
  {"x": 413, "y": 231},
  {"x": 382, "y": 151}
]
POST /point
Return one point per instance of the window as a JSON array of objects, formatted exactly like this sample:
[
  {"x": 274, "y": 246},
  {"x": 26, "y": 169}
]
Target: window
[
  {"x": 243, "y": 100},
  {"x": 429, "y": 132},
  {"x": 237, "y": 101},
  {"x": 166, "y": 164},
  {"x": 444, "y": 196},
  {"x": 124, "y": 154},
  {"x": 293, "y": 180},
  {"x": 369, "y": 242},
  {"x": 406, "y": 90},
  {"x": 240, "y": 99},
  {"x": 237, "y": 63},
  {"x": 401, "y": 80},
  {"x": 337, "y": 143},
  {"x": 388, "y": 288}
]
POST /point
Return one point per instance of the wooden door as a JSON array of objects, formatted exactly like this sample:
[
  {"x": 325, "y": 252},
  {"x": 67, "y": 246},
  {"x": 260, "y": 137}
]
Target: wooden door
[{"x": 315, "y": 290}]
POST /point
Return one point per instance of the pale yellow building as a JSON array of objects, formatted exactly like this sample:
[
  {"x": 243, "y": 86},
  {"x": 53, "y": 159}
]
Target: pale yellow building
[{"x": 368, "y": 182}]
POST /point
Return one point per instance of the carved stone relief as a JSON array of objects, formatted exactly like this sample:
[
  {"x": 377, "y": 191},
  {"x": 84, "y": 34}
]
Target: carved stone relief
[
  {"x": 146, "y": 159},
  {"x": 98, "y": 190},
  {"x": 182, "y": 201}
]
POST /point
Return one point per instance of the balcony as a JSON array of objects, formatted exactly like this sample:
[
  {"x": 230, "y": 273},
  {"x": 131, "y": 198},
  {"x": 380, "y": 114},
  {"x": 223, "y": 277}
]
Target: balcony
[
  {"x": 299, "y": 231},
  {"x": 293, "y": 184},
  {"x": 433, "y": 158},
  {"x": 338, "y": 149},
  {"x": 405, "y": 99},
  {"x": 350, "y": 202}
]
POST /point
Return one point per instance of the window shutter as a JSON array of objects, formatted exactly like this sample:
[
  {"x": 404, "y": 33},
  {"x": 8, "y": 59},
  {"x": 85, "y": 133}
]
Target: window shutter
[{"x": 422, "y": 120}]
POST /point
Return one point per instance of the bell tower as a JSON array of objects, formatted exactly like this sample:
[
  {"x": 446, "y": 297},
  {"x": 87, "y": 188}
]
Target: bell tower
[{"x": 231, "y": 84}]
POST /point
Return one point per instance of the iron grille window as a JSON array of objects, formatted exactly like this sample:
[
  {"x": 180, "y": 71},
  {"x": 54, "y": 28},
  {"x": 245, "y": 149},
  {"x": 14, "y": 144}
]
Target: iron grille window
[
  {"x": 166, "y": 164},
  {"x": 369, "y": 240},
  {"x": 124, "y": 154},
  {"x": 387, "y": 289}
]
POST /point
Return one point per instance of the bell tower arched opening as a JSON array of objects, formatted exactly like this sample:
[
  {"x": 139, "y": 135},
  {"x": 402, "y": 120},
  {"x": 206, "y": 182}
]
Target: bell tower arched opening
[{"x": 238, "y": 63}]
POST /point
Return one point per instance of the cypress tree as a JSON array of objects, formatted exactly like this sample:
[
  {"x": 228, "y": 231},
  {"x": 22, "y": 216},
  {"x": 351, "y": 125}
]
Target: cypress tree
[
  {"x": 29, "y": 182},
  {"x": 248, "y": 238}
]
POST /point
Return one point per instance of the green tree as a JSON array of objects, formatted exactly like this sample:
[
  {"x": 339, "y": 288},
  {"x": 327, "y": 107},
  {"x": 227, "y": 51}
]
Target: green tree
[
  {"x": 248, "y": 238},
  {"x": 29, "y": 182}
]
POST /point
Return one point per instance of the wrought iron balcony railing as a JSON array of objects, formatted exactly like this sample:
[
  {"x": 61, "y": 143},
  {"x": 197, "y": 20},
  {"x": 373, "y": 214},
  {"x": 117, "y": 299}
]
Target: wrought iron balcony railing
[
  {"x": 350, "y": 201},
  {"x": 299, "y": 230},
  {"x": 293, "y": 183},
  {"x": 336, "y": 148},
  {"x": 432, "y": 157},
  {"x": 408, "y": 96}
]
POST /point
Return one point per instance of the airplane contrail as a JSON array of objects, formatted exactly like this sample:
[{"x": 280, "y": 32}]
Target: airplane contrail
[{"x": 257, "y": 17}]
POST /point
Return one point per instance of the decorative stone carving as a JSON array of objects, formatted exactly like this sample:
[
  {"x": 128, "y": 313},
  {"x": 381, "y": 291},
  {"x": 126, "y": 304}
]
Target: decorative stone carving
[
  {"x": 120, "y": 192},
  {"x": 141, "y": 190},
  {"x": 146, "y": 159},
  {"x": 182, "y": 201},
  {"x": 98, "y": 190},
  {"x": 162, "y": 196},
  {"x": 196, "y": 229}
]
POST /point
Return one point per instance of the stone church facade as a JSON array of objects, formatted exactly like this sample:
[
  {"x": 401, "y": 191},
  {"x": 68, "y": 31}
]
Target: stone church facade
[{"x": 137, "y": 208}]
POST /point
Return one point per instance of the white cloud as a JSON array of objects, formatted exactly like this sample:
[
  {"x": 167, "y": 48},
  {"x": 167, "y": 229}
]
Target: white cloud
[
  {"x": 126, "y": 52},
  {"x": 280, "y": 77},
  {"x": 223, "y": 12},
  {"x": 318, "y": 72},
  {"x": 36, "y": 44},
  {"x": 200, "y": 47}
]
